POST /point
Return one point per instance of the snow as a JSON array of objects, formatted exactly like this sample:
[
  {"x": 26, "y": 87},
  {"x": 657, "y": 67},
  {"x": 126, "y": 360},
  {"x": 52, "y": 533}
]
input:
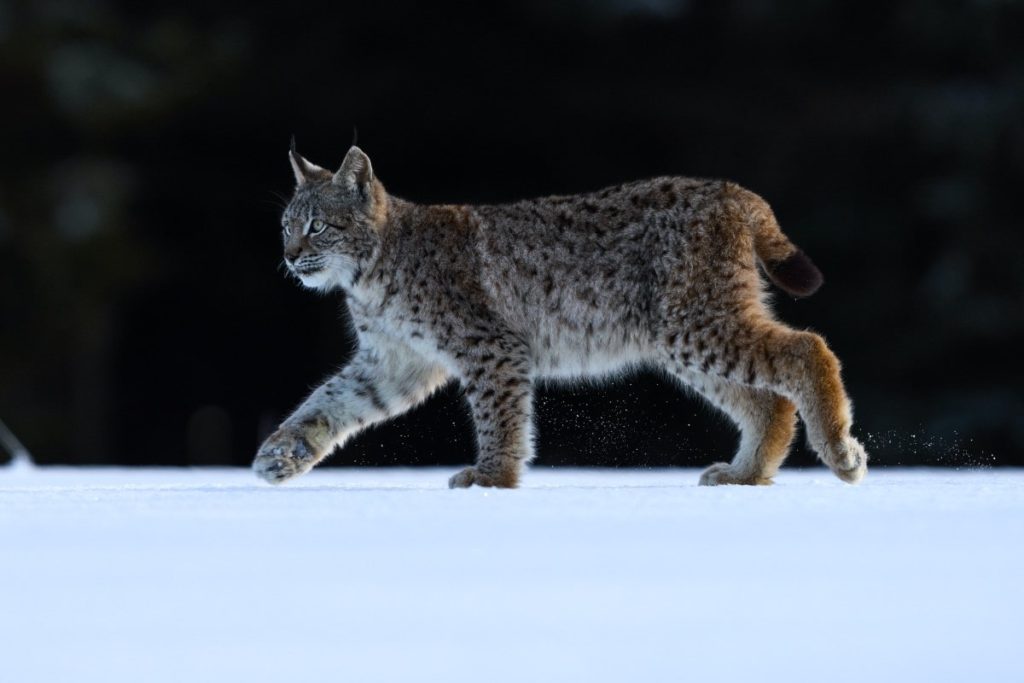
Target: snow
[{"x": 386, "y": 575}]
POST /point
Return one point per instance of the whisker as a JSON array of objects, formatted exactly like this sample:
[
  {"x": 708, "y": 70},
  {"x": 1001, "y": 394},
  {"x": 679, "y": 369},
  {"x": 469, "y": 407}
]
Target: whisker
[
  {"x": 273, "y": 203},
  {"x": 279, "y": 201}
]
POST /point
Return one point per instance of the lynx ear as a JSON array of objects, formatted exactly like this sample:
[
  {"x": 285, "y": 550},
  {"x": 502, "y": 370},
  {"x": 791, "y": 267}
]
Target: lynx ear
[
  {"x": 302, "y": 169},
  {"x": 356, "y": 171}
]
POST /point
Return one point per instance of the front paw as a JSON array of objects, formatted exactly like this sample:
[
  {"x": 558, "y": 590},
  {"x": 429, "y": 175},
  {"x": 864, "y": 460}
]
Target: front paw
[
  {"x": 282, "y": 456},
  {"x": 471, "y": 476}
]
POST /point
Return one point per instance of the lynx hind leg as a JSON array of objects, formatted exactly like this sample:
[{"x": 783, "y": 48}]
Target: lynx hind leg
[
  {"x": 809, "y": 372},
  {"x": 799, "y": 366},
  {"x": 767, "y": 424}
]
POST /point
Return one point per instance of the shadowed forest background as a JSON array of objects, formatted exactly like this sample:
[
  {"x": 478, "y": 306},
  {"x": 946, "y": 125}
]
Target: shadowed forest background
[{"x": 145, "y": 317}]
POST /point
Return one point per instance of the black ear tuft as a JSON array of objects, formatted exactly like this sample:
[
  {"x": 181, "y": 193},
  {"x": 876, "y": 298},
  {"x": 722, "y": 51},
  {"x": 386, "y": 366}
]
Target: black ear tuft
[{"x": 302, "y": 169}]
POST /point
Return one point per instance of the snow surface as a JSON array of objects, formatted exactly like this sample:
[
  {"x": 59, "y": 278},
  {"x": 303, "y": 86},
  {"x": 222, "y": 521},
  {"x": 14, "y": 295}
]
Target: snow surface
[{"x": 386, "y": 575}]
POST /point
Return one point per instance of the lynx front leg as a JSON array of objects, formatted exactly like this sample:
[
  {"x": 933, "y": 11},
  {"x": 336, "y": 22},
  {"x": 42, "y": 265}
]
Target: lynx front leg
[
  {"x": 501, "y": 396},
  {"x": 376, "y": 385}
]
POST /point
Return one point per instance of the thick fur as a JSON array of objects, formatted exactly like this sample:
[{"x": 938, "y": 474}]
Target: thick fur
[{"x": 660, "y": 273}]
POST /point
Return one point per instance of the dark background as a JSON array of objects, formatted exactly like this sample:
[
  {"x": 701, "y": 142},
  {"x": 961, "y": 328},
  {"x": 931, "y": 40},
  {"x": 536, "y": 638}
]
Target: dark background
[{"x": 146, "y": 318}]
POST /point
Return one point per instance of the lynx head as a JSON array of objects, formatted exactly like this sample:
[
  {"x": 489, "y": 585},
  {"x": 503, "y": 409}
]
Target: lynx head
[{"x": 332, "y": 225}]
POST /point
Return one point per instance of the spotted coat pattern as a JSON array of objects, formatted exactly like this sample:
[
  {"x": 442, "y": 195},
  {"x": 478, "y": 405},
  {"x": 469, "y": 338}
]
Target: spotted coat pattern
[{"x": 659, "y": 273}]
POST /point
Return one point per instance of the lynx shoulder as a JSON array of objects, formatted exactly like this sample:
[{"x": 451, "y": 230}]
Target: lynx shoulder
[{"x": 663, "y": 273}]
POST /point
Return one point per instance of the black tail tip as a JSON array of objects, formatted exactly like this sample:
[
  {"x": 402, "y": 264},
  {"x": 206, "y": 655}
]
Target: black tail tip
[{"x": 797, "y": 275}]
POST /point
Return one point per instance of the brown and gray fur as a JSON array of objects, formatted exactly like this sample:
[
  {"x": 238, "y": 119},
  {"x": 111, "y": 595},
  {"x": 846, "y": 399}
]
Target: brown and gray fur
[{"x": 660, "y": 273}]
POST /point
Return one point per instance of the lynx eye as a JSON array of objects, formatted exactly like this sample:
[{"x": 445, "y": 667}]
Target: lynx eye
[{"x": 317, "y": 226}]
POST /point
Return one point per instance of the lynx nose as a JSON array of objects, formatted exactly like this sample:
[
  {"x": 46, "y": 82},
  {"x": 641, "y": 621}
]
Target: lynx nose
[{"x": 291, "y": 254}]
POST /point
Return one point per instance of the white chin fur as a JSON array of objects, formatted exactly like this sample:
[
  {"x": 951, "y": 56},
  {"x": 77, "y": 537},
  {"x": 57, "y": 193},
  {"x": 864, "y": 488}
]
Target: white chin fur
[{"x": 321, "y": 280}]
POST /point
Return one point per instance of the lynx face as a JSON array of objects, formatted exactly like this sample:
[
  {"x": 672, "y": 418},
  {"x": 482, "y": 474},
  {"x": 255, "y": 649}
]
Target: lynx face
[
  {"x": 325, "y": 237},
  {"x": 330, "y": 228}
]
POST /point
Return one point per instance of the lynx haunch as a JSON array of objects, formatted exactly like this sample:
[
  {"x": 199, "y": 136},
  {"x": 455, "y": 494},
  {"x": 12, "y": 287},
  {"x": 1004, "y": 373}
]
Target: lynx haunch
[{"x": 660, "y": 273}]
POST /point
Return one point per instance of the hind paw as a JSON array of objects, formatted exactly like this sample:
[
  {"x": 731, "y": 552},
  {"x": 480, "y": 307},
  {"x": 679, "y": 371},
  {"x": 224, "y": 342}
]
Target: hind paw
[
  {"x": 847, "y": 459},
  {"x": 723, "y": 473}
]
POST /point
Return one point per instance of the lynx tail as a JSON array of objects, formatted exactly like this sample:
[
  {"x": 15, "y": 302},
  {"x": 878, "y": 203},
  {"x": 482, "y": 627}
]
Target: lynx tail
[{"x": 784, "y": 263}]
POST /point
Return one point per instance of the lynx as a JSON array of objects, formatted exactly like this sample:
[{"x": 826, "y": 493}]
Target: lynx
[{"x": 661, "y": 273}]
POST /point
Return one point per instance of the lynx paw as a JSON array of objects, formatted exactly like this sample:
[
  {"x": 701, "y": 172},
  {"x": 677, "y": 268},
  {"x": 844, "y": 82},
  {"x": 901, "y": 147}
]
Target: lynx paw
[
  {"x": 723, "y": 473},
  {"x": 282, "y": 457},
  {"x": 471, "y": 475},
  {"x": 847, "y": 459}
]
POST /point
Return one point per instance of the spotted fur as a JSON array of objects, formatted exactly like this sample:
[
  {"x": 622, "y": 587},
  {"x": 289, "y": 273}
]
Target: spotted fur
[{"x": 660, "y": 273}]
